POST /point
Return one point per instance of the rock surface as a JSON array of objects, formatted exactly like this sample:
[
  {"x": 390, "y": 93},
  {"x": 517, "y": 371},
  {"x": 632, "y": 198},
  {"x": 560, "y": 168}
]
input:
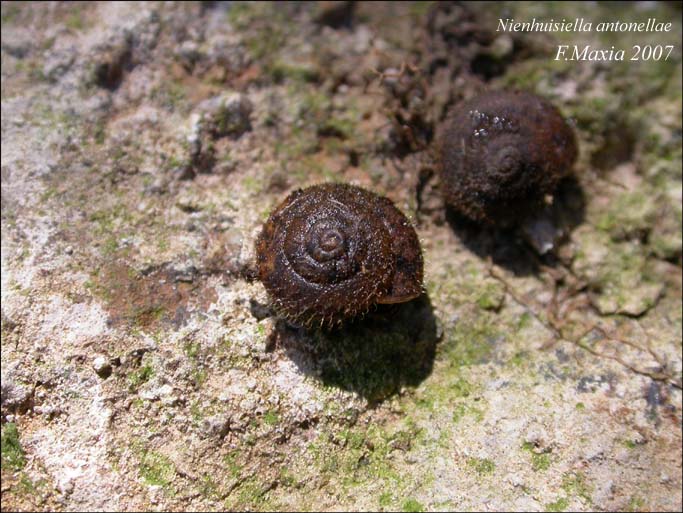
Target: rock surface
[{"x": 144, "y": 144}]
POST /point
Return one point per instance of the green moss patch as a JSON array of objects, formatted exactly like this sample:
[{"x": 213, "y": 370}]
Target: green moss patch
[
  {"x": 539, "y": 461},
  {"x": 412, "y": 505},
  {"x": 13, "y": 456},
  {"x": 481, "y": 466},
  {"x": 560, "y": 504},
  {"x": 156, "y": 469}
]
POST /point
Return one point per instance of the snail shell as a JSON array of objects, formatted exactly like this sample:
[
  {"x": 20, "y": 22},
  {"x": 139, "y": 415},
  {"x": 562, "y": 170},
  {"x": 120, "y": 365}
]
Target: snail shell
[
  {"x": 331, "y": 251},
  {"x": 501, "y": 153}
]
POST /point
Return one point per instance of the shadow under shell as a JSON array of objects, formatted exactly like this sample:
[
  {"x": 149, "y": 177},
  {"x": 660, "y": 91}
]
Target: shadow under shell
[{"x": 393, "y": 346}]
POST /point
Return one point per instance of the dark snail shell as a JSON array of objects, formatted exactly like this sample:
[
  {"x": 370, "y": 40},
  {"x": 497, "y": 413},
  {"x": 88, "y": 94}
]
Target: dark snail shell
[
  {"x": 501, "y": 153},
  {"x": 330, "y": 252}
]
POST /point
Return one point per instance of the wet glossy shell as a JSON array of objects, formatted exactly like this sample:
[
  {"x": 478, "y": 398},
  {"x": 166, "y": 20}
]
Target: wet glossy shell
[
  {"x": 501, "y": 152},
  {"x": 330, "y": 252}
]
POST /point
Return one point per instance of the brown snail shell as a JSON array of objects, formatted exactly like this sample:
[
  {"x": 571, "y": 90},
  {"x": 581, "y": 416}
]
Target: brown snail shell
[
  {"x": 331, "y": 251},
  {"x": 501, "y": 153}
]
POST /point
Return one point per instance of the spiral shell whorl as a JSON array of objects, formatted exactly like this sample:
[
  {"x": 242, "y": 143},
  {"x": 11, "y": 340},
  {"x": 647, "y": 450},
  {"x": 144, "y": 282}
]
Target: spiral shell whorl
[
  {"x": 328, "y": 253},
  {"x": 501, "y": 153}
]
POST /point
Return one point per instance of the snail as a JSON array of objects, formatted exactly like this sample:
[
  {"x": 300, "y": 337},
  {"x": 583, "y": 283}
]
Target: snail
[
  {"x": 329, "y": 252},
  {"x": 501, "y": 154}
]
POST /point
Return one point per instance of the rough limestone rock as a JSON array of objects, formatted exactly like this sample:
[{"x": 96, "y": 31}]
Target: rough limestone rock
[{"x": 145, "y": 143}]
